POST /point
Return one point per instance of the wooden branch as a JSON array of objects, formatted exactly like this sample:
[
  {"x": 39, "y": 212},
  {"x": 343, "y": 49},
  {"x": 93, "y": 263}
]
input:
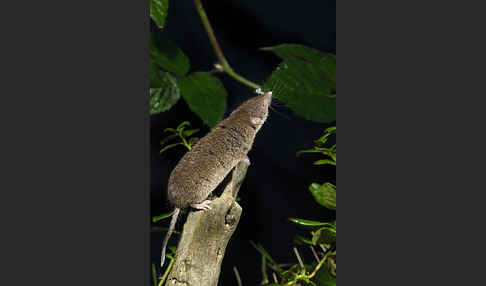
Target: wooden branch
[{"x": 205, "y": 236}]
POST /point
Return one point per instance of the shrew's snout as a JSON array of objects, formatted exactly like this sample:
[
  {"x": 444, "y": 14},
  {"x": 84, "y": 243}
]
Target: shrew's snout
[{"x": 268, "y": 97}]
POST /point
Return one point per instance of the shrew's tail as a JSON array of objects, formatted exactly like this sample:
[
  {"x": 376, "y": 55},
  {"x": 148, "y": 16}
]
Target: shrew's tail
[{"x": 169, "y": 233}]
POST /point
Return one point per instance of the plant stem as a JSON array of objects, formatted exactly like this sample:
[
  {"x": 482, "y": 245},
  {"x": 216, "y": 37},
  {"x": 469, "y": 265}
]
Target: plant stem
[
  {"x": 298, "y": 257},
  {"x": 154, "y": 274},
  {"x": 319, "y": 265},
  {"x": 238, "y": 278},
  {"x": 217, "y": 49},
  {"x": 184, "y": 141},
  {"x": 162, "y": 280},
  {"x": 264, "y": 271}
]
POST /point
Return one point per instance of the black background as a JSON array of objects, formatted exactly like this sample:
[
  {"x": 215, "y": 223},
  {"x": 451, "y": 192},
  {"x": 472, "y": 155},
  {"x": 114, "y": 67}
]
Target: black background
[{"x": 276, "y": 185}]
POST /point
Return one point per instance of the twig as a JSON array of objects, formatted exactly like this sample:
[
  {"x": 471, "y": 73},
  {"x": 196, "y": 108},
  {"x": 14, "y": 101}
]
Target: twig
[
  {"x": 314, "y": 252},
  {"x": 238, "y": 278},
  {"x": 285, "y": 264},
  {"x": 275, "y": 277},
  {"x": 217, "y": 49},
  {"x": 298, "y": 257}
]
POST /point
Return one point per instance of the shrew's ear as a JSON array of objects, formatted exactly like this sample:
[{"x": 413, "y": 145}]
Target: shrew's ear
[{"x": 256, "y": 121}]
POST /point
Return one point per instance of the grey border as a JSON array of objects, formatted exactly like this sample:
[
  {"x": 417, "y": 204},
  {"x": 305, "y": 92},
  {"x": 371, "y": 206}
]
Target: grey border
[
  {"x": 75, "y": 144},
  {"x": 410, "y": 130}
]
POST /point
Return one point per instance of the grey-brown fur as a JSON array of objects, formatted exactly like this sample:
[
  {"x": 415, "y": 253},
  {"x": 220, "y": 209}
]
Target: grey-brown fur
[{"x": 203, "y": 168}]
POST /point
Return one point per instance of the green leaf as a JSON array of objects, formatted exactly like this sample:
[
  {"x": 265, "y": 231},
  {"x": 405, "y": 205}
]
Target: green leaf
[
  {"x": 294, "y": 51},
  {"x": 183, "y": 125},
  {"x": 291, "y": 273},
  {"x": 188, "y": 133},
  {"x": 325, "y": 162},
  {"x": 205, "y": 96},
  {"x": 165, "y": 96},
  {"x": 162, "y": 216},
  {"x": 303, "y": 53},
  {"x": 324, "y": 194},
  {"x": 192, "y": 141},
  {"x": 299, "y": 239},
  {"x": 170, "y": 146},
  {"x": 331, "y": 130},
  {"x": 305, "y": 81},
  {"x": 308, "y": 223},
  {"x": 172, "y": 249},
  {"x": 171, "y": 130},
  {"x": 299, "y": 85},
  {"x": 156, "y": 76},
  {"x": 324, "y": 235},
  {"x": 168, "y": 56},
  {"x": 158, "y": 11},
  {"x": 328, "y": 132},
  {"x": 315, "y": 150}
]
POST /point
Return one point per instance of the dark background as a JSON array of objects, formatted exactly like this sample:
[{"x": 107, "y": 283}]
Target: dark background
[{"x": 276, "y": 185}]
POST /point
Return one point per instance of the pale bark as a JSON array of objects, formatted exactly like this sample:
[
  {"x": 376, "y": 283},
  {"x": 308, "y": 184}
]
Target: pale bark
[{"x": 205, "y": 236}]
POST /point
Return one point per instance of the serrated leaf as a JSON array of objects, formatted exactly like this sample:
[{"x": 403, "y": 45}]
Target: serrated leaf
[
  {"x": 324, "y": 194},
  {"x": 325, "y": 162},
  {"x": 305, "y": 81},
  {"x": 324, "y": 235},
  {"x": 303, "y": 53},
  {"x": 294, "y": 51},
  {"x": 168, "y": 56},
  {"x": 158, "y": 11},
  {"x": 308, "y": 223},
  {"x": 165, "y": 96},
  {"x": 162, "y": 216},
  {"x": 205, "y": 96},
  {"x": 302, "y": 87}
]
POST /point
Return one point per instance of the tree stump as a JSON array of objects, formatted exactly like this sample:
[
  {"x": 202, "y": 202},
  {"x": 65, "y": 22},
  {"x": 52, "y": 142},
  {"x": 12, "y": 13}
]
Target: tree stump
[{"x": 205, "y": 237}]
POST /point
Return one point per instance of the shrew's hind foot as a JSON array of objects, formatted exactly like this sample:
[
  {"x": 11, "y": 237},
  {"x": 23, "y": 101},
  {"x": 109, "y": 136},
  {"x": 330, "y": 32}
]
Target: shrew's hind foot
[{"x": 202, "y": 206}]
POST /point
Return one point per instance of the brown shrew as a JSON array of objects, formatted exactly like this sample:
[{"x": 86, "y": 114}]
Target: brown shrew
[{"x": 206, "y": 165}]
